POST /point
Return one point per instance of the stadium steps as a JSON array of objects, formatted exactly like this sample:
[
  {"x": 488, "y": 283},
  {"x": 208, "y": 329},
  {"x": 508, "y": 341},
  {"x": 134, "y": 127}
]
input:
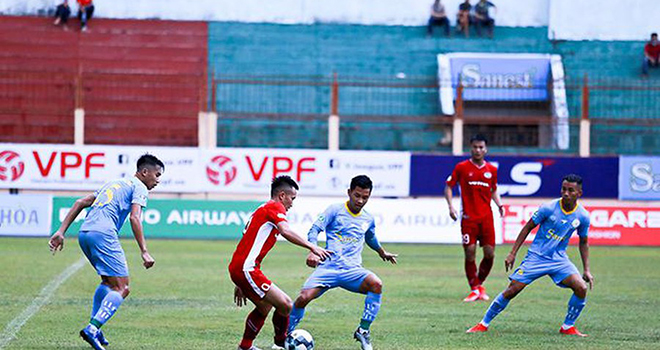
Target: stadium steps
[{"x": 142, "y": 76}]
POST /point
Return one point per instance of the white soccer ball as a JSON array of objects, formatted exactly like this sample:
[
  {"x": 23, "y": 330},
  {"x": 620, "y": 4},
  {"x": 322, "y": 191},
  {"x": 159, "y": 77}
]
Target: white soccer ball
[{"x": 299, "y": 339}]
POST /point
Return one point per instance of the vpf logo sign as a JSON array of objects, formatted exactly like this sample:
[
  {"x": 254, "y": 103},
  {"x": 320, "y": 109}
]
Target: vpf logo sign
[
  {"x": 11, "y": 166},
  {"x": 221, "y": 170}
]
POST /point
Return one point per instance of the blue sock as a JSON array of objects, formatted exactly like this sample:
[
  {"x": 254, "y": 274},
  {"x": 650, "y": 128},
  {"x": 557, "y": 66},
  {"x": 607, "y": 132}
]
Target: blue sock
[
  {"x": 295, "y": 317},
  {"x": 575, "y": 306},
  {"x": 100, "y": 293},
  {"x": 109, "y": 306},
  {"x": 371, "y": 307},
  {"x": 495, "y": 308}
]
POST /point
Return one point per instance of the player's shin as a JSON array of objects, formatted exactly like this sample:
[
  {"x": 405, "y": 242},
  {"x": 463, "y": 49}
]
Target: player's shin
[
  {"x": 253, "y": 324},
  {"x": 280, "y": 325},
  {"x": 109, "y": 306},
  {"x": 494, "y": 309},
  {"x": 295, "y": 317},
  {"x": 575, "y": 306},
  {"x": 100, "y": 293},
  {"x": 371, "y": 308}
]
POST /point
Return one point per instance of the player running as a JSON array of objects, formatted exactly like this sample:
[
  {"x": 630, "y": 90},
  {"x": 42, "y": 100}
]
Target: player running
[
  {"x": 99, "y": 241},
  {"x": 347, "y": 228},
  {"x": 478, "y": 184},
  {"x": 547, "y": 255},
  {"x": 259, "y": 237}
]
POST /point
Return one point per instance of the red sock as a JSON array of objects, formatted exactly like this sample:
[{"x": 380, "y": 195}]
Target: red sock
[
  {"x": 471, "y": 274},
  {"x": 281, "y": 324},
  {"x": 253, "y": 324},
  {"x": 484, "y": 269}
]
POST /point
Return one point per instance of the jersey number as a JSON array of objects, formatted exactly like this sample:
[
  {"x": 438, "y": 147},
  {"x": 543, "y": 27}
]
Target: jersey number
[{"x": 106, "y": 196}]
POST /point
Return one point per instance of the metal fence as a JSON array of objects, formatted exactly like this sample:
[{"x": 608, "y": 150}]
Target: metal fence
[{"x": 383, "y": 113}]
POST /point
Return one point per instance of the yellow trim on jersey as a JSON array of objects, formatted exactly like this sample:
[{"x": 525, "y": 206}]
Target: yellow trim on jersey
[
  {"x": 350, "y": 212},
  {"x": 568, "y": 212}
]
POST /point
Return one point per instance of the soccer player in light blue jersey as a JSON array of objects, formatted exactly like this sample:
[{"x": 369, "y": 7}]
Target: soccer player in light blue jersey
[
  {"x": 99, "y": 240},
  {"x": 347, "y": 227},
  {"x": 547, "y": 255}
]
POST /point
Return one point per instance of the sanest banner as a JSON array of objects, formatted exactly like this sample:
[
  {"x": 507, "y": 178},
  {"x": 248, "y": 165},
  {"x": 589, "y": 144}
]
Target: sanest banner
[
  {"x": 639, "y": 178},
  {"x": 25, "y": 215},
  {"x": 521, "y": 176},
  {"x": 225, "y": 170}
]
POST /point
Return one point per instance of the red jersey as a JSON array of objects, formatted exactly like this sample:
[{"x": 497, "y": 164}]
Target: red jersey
[
  {"x": 259, "y": 236},
  {"x": 477, "y": 185},
  {"x": 653, "y": 51},
  {"x": 84, "y": 2}
]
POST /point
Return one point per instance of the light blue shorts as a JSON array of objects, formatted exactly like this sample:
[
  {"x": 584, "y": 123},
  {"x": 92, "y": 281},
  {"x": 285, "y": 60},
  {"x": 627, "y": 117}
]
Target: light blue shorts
[
  {"x": 104, "y": 253},
  {"x": 534, "y": 267},
  {"x": 327, "y": 278}
]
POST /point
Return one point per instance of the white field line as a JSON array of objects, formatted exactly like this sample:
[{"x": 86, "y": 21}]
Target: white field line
[{"x": 42, "y": 299}]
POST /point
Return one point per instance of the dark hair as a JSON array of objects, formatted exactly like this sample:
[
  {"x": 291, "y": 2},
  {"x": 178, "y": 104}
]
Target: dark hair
[
  {"x": 654, "y": 34},
  {"x": 149, "y": 160},
  {"x": 282, "y": 183},
  {"x": 576, "y": 179},
  {"x": 362, "y": 181},
  {"x": 478, "y": 137}
]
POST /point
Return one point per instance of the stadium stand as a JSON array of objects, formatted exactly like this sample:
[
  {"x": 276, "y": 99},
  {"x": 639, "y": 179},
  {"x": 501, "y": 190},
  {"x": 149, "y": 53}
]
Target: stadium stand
[{"x": 148, "y": 77}]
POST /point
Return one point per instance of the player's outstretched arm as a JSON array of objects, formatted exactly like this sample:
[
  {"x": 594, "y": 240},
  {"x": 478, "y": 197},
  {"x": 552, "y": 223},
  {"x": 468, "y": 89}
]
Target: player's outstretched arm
[
  {"x": 293, "y": 237},
  {"x": 584, "y": 254},
  {"x": 56, "y": 242},
  {"x": 138, "y": 232},
  {"x": 387, "y": 256},
  {"x": 372, "y": 242},
  {"x": 511, "y": 258},
  {"x": 448, "y": 196}
]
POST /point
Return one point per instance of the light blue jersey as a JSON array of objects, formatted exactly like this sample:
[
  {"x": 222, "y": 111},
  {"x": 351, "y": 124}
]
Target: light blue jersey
[
  {"x": 556, "y": 228},
  {"x": 346, "y": 234},
  {"x": 113, "y": 204}
]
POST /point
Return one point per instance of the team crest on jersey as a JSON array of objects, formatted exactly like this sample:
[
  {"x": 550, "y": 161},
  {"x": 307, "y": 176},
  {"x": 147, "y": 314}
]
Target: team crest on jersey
[
  {"x": 553, "y": 218},
  {"x": 575, "y": 223},
  {"x": 488, "y": 175}
]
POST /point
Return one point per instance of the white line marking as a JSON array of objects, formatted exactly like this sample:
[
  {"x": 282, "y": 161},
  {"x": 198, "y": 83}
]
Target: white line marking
[{"x": 44, "y": 297}]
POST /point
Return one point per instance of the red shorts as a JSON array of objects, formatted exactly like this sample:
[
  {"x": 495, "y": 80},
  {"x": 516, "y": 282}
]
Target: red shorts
[
  {"x": 254, "y": 284},
  {"x": 482, "y": 230}
]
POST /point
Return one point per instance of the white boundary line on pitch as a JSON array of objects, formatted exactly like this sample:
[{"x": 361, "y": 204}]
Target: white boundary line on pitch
[{"x": 42, "y": 299}]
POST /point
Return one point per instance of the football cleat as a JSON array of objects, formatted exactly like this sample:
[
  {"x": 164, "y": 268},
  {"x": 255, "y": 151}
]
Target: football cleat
[
  {"x": 364, "y": 337},
  {"x": 101, "y": 338},
  {"x": 473, "y": 296},
  {"x": 91, "y": 339},
  {"x": 482, "y": 293},
  {"x": 571, "y": 331},
  {"x": 479, "y": 328}
]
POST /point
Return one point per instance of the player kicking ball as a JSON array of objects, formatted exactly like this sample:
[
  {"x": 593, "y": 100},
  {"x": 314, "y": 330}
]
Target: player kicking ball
[
  {"x": 259, "y": 237},
  {"x": 547, "y": 255},
  {"x": 347, "y": 228}
]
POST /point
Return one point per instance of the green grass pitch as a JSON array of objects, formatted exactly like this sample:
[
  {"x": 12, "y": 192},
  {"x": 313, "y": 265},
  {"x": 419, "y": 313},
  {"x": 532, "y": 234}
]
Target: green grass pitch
[{"x": 185, "y": 301}]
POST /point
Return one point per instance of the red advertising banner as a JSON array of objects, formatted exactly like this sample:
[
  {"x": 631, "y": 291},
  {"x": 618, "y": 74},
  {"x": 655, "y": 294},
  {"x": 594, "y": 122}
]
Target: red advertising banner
[{"x": 630, "y": 225}]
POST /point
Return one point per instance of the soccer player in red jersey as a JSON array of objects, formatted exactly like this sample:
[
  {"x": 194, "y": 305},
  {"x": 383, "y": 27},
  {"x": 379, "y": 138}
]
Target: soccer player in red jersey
[
  {"x": 259, "y": 237},
  {"x": 478, "y": 184}
]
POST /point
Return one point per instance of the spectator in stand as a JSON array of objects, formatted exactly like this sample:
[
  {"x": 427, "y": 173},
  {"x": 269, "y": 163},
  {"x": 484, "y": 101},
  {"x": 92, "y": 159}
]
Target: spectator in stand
[
  {"x": 438, "y": 18},
  {"x": 85, "y": 12},
  {"x": 482, "y": 17},
  {"x": 651, "y": 54},
  {"x": 62, "y": 14},
  {"x": 463, "y": 18}
]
